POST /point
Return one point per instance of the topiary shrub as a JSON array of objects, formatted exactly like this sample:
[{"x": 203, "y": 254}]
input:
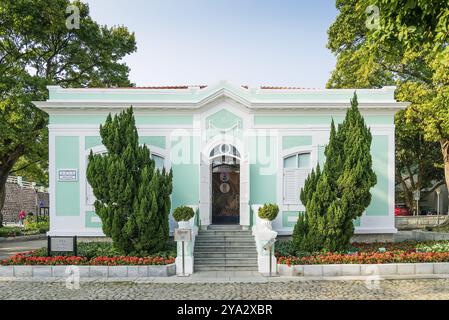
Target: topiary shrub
[
  {"x": 183, "y": 213},
  {"x": 269, "y": 211}
]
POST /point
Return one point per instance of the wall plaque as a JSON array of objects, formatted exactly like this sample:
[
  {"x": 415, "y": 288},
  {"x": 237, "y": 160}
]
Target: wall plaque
[{"x": 67, "y": 175}]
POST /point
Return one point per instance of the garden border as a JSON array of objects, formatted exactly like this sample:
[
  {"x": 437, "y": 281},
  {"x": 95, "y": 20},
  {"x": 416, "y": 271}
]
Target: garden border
[
  {"x": 86, "y": 271},
  {"x": 385, "y": 269}
]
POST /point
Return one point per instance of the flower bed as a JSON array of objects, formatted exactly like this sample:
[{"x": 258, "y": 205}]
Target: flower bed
[
  {"x": 29, "y": 259},
  {"x": 116, "y": 261},
  {"x": 366, "y": 258},
  {"x": 372, "y": 253}
]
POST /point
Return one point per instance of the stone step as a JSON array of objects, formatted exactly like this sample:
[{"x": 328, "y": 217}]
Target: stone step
[
  {"x": 225, "y": 233},
  {"x": 220, "y": 248},
  {"x": 224, "y": 227},
  {"x": 229, "y": 236},
  {"x": 225, "y": 248},
  {"x": 226, "y": 255},
  {"x": 226, "y": 261},
  {"x": 213, "y": 242},
  {"x": 225, "y": 268}
]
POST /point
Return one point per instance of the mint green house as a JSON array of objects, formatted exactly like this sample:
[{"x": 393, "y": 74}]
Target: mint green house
[{"x": 231, "y": 149}]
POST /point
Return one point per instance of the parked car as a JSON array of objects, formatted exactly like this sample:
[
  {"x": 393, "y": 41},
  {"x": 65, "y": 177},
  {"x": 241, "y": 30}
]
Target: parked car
[{"x": 402, "y": 210}]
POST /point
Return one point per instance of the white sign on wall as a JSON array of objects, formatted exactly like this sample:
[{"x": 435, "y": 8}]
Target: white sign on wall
[
  {"x": 68, "y": 175},
  {"x": 63, "y": 244}
]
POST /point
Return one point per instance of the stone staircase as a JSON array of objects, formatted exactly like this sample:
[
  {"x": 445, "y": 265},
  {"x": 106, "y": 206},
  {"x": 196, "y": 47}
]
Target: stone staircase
[{"x": 225, "y": 248}]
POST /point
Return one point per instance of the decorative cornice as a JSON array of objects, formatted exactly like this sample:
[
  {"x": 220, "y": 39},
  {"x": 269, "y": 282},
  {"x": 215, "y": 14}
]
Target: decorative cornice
[{"x": 150, "y": 99}]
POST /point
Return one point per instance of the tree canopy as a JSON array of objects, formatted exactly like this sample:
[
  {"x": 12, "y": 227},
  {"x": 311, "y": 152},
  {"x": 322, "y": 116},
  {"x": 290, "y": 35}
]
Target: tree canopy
[
  {"x": 402, "y": 42},
  {"x": 38, "y": 49}
]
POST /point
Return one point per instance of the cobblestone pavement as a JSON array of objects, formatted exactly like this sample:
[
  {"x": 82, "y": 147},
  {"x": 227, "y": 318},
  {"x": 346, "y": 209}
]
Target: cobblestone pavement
[{"x": 345, "y": 290}]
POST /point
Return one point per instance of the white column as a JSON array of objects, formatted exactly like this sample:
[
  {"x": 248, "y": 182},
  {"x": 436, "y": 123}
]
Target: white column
[
  {"x": 205, "y": 194},
  {"x": 244, "y": 194}
]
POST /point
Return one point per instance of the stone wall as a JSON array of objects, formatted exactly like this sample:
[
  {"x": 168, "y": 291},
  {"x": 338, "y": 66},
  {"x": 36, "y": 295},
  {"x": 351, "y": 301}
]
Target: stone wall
[{"x": 21, "y": 198}]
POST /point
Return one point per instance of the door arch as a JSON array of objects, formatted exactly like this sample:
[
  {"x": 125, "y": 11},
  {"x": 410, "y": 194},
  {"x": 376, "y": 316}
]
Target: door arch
[
  {"x": 225, "y": 184},
  {"x": 226, "y": 157}
]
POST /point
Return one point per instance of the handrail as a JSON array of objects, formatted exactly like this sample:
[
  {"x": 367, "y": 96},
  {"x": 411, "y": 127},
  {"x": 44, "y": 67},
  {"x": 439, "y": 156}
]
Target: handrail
[{"x": 26, "y": 184}]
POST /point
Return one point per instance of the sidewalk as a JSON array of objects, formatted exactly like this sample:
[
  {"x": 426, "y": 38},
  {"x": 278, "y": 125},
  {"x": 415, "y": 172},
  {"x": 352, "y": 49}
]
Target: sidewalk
[{"x": 10, "y": 248}]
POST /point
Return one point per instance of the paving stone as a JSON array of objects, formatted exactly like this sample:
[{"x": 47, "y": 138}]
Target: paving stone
[
  {"x": 59, "y": 271},
  {"x": 91, "y": 289},
  {"x": 41, "y": 271},
  {"x": 6, "y": 271},
  {"x": 369, "y": 269},
  {"x": 157, "y": 271},
  {"x": 23, "y": 271},
  {"x": 406, "y": 268},
  {"x": 118, "y": 272},
  {"x": 387, "y": 269},
  {"x": 441, "y": 268},
  {"x": 424, "y": 268},
  {"x": 350, "y": 270},
  {"x": 332, "y": 270},
  {"x": 313, "y": 270},
  {"x": 98, "y": 271}
]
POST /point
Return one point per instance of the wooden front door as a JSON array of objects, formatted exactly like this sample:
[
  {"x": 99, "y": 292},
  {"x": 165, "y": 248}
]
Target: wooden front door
[{"x": 226, "y": 194}]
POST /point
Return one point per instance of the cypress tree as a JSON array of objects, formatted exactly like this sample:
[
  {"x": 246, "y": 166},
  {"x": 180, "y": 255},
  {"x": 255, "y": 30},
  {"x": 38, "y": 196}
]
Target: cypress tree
[
  {"x": 341, "y": 193},
  {"x": 357, "y": 176},
  {"x": 127, "y": 188}
]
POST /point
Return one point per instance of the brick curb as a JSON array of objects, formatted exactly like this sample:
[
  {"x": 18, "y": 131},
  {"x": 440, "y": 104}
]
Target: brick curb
[
  {"x": 41, "y": 236},
  {"x": 43, "y": 271}
]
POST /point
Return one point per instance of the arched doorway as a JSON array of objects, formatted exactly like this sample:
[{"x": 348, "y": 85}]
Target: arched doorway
[{"x": 225, "y": 186}]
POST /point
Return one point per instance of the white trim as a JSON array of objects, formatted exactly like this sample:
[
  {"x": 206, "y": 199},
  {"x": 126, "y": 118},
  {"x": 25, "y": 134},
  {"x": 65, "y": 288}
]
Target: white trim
[
  {"x": 200, "y": 120},
  {"x": 50, "y": 106},
  {"x": 83, "y": 180},
  {"x": 52, "y": 176}
]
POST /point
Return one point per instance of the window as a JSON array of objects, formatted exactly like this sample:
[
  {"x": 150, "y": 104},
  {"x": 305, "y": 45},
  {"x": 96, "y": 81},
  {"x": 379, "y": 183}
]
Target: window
[
  {"x": 224, "y": 150},
  {"x": 296, "y": 170},
  {"x": 90, "y": 197},
  {"x": 158, "y": 160}
]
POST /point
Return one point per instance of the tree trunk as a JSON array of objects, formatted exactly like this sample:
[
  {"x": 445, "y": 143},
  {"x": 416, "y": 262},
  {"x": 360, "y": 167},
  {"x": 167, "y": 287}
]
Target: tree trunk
[
  {"x": 3, "y": 178},
  {"x": 408, "y": 194},
  {"x": 445, "y": 150},
  {"x": 7, "y": 163}
]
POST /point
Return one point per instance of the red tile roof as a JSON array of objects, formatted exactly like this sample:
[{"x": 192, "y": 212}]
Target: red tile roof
[
  {"x": 163, "y": 87},
  {"x": 279, "y": 88},
  {"x": 184, "y": 87}
]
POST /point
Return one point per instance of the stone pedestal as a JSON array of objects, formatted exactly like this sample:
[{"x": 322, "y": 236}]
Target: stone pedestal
[
  {"x": 188, "y": 247},
  {"x": 263, "y": 234}
]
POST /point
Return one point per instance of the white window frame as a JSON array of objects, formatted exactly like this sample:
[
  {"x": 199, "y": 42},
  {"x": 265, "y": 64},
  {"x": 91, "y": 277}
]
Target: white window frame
[
  {"x": 101, "y": 149},
  {"x": 289, "y": 153}
]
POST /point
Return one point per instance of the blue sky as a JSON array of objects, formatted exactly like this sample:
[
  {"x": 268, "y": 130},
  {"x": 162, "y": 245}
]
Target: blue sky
[{"x": 254, "y": 42}]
